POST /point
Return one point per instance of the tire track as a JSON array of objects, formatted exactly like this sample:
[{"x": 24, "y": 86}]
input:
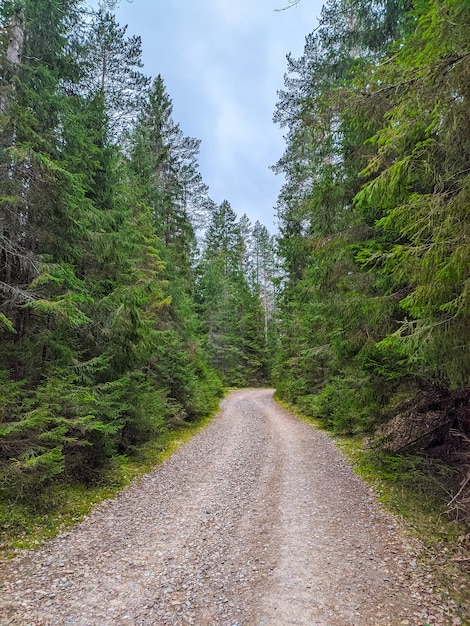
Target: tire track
[{"x": 256, "y": 521}]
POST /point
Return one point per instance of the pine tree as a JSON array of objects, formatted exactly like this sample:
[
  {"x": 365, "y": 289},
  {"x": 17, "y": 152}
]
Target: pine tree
[
  {"x": 82, "y": 271},
  {"x": 373, "y": 314},
  {"x": 100, "y": 341},
  {"x": 264, "y": 272},
  {"x": 111, "y": 65},
  {"x": 41, "y": 202}
]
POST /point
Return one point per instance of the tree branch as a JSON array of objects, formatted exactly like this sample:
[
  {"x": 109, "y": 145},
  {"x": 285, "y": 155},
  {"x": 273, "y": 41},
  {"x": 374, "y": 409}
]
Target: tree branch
[{"x": 292, "y": 3}]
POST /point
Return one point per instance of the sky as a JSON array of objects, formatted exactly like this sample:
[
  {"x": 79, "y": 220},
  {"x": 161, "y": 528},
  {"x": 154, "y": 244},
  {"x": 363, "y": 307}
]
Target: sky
[{"x": 222, "y": 62}]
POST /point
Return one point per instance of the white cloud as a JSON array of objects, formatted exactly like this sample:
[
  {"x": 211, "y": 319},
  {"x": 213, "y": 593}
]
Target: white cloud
[
  {"x": 222, "y": 62},
  {"x": 236, "y": 13}
]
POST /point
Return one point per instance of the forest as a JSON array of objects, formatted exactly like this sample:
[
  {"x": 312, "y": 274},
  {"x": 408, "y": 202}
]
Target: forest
[{"x": 130, "y": 300}]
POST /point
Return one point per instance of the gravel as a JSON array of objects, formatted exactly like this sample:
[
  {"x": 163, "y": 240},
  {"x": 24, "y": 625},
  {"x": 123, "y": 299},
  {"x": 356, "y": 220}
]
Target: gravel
[{"x": 258, "y": 520}]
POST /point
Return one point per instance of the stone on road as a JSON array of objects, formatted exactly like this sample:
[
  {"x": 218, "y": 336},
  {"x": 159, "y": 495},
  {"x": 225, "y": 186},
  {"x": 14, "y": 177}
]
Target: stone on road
[{"x": 256, "y": 521}]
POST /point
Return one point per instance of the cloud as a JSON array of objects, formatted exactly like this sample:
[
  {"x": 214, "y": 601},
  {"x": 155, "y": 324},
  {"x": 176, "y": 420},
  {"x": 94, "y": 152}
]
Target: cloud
[
  {"x": 223, "y": 62},
  {"x": 241, "y": 14}
]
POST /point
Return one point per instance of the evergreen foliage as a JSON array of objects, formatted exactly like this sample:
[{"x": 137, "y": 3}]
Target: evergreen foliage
[
  {"x": 101, "y": 347},
  {"x": 374, "y": 223},
  {"x": 231, "y": 300},
  {"x": 103, "y": 344},
  {"x": 128, "y": 297}
]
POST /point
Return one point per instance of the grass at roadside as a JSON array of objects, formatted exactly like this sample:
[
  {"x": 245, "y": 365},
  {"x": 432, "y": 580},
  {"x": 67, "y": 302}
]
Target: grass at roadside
[
  {"x": 418, "y": 491},
  {"x": 27, "y": 525}
]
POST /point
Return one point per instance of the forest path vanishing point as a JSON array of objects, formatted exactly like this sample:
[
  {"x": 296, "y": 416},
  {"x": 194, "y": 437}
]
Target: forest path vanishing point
[{"x": 257, "y": 521}]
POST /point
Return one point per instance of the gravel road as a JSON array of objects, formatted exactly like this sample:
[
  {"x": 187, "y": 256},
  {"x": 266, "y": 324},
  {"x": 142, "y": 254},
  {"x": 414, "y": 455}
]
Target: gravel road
[{"x": 257, "y": 521}]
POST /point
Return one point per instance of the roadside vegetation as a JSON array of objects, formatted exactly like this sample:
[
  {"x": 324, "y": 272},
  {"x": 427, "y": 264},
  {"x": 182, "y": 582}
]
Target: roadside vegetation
[
  {"x": 26, "y": 525},
  {"x": 129, "y": 299},
  {"x": 374, "y": 235}
]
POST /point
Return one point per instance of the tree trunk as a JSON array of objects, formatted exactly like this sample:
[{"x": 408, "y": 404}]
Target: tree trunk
[{"x": 15, "y": 37}]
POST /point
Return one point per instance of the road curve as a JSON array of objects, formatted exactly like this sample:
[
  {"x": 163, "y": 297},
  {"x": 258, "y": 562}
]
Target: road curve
[{"x": 257, "y": 521}]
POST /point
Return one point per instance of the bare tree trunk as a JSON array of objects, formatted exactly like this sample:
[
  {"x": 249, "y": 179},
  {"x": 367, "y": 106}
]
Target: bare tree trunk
[
  {"x": 16, "y": 264},
  {"x": 15, "y": 36},
  {"x": 13, "y": 40},
  {"x": 265, "y": 306}
]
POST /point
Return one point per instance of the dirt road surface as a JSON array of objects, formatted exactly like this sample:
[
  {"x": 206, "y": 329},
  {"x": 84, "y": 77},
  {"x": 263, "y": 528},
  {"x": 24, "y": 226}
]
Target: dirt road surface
[{"x": 257, "y": 521}]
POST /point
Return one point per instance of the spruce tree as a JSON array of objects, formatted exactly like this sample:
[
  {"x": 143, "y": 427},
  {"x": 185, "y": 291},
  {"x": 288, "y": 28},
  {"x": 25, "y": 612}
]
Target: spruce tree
[
  {"x": 164, "y": 169},
  {"x": 418, "y": 190},
  {"x": 230, "y": 306},
  {"x": 327, "y": 302}
]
